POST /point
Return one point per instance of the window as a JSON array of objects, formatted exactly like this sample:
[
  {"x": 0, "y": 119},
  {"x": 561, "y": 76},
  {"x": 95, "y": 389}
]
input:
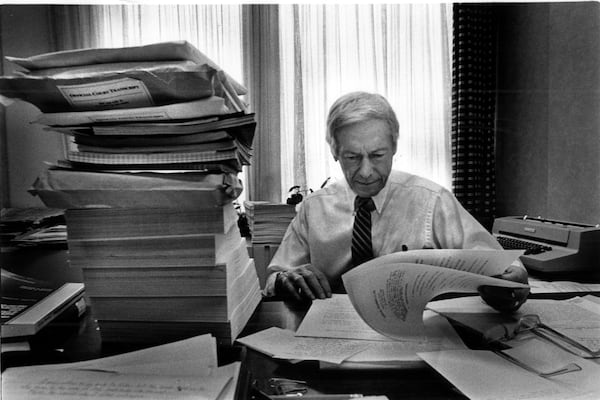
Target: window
[{"x": 399, "y": 50}]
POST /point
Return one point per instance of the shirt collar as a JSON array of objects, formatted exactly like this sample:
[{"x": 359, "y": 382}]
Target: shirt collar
[{"x": 378, "y": 199}]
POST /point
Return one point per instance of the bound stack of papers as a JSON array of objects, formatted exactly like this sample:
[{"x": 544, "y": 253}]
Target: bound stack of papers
[
  {"x": 268, "y": 221},
  {"x": 154, "y": 275}
]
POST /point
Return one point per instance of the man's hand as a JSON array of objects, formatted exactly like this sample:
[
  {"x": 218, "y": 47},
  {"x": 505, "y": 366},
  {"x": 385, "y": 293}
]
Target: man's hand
[
  {"x": 504, "y": 299},
  {"x": 302, "y": 283}
]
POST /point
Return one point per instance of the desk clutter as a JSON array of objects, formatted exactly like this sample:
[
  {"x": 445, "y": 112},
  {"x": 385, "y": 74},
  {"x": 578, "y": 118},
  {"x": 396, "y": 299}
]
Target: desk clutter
[
  {"x": 157, "y": 136},
  {"x": 34, "y": 226},
  {"x": 183, "y": 369},
  {"x": 267, "y": 222}
]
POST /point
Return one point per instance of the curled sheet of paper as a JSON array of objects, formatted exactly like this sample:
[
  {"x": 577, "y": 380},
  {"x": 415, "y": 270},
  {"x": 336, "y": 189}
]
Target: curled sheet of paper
[{"x": 391, "y": 296}]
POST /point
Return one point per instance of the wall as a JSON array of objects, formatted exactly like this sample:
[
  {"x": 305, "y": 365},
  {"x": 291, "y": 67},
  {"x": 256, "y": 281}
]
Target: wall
[
  {"x": 24, "y": 31},
  {"x": 548, "y": 160}
]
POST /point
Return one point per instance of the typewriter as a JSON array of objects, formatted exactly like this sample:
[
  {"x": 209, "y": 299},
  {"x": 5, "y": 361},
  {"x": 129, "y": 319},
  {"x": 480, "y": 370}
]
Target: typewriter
[{"x": 551, "y": 246}]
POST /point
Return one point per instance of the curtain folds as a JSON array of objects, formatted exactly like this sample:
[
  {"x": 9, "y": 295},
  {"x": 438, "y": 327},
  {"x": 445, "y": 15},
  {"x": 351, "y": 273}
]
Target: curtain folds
[
  {"x": 262, "y": 72},
  {"x": 401, "y": 51}
]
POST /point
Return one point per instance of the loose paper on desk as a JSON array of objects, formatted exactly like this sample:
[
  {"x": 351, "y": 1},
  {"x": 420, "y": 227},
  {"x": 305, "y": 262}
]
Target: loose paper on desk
[
  {"x": 281, "y": 343},
  {"x": 546, "y": 357},
  {"x": 335, "y": 317},
  {"x": 484, "y": 375},
  {"x": 186, "y": 369},
  {"x": 575, "y": 318},
  {"x": 539, "y": 286},
  {"x": 390, "y": 293}
]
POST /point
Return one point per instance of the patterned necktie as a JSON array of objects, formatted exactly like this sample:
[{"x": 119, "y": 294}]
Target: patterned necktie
[{"x": 362, "y": 248}]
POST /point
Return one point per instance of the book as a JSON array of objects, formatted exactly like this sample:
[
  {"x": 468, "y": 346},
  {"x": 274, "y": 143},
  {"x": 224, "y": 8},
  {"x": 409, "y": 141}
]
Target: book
[
  {"x": 391, "y": 292},
  {"x": 30, "y": 304},
  {"x": 116, "y": 223},
  {"x": 192, "y": 109}
]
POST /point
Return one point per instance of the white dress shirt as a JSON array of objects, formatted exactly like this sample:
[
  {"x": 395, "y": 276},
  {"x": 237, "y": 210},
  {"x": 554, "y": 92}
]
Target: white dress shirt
[{"x": 411, "y": 213}]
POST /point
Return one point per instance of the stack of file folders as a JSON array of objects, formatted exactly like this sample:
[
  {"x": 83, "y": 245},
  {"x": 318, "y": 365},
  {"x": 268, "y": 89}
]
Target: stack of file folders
[
  {"x": 152, "y": 109},
  {"x": 157, "y": 136}
]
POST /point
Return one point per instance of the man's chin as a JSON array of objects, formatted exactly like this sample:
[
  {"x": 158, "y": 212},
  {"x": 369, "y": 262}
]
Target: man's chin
[{"x": 367, "y": 190}]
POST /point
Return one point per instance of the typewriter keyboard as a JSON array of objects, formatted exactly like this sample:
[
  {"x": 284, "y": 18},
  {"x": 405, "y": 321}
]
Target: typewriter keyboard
[{"x": 509, "y": 243}]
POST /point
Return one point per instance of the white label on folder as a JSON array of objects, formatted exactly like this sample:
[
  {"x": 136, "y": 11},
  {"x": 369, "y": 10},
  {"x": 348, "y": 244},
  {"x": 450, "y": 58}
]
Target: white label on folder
[{"x": 116, "y": 93}]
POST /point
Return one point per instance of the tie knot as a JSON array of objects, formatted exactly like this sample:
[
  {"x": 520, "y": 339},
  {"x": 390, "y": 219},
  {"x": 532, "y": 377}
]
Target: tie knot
[{"x": 365, "y": 203}]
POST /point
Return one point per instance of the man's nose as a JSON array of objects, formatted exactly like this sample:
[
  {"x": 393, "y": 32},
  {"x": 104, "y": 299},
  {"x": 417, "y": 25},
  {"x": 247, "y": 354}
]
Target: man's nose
[{"x": 366, "y": 167}]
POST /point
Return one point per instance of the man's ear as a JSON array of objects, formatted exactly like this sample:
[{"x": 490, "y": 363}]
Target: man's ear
[{"x": 335, "y": 157}]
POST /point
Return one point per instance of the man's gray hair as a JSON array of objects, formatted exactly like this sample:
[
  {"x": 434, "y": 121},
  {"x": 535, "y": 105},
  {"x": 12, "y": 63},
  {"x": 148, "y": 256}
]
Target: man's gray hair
[{"x": 357, "y": 107}]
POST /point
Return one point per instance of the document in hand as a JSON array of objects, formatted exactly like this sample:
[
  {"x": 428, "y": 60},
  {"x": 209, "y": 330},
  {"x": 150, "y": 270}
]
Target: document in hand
[{"x": 391, "y": 292}]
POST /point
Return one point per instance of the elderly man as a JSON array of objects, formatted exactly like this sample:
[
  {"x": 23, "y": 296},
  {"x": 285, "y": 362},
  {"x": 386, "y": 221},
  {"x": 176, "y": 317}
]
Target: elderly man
[{"x": 373, "y": 212}]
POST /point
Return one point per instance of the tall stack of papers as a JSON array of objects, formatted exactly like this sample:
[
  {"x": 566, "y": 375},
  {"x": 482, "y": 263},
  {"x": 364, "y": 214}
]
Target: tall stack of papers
[
  {"x": 158, "y": 136},
  {"x": 268, "y": 221},
  {"x": 155, "y": 275}
]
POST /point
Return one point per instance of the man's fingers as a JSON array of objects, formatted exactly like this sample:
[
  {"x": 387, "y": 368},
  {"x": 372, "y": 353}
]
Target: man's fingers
[
  {"x": 502, "y": 299},
  {"x": 288, "y": 286},
  {"x": 323, "y": 282},
  {"x": 515, "y": 274},
  {"x": 303, "y": 287},
  {"x": 313, "y": 281}
]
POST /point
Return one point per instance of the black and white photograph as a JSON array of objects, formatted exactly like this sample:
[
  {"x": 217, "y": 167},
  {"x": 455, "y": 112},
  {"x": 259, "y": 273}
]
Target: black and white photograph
[{"x": 313, "y": 201}]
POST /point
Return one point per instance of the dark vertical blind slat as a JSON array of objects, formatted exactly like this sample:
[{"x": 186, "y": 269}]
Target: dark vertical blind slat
[{"x": 473, "y": 109}]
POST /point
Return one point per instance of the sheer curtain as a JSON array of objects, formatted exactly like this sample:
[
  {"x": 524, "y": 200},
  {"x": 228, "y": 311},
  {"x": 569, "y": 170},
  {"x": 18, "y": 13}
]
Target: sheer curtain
[
  {"x": 402, "y": 51},
  {"x": 214, "y": 29}
]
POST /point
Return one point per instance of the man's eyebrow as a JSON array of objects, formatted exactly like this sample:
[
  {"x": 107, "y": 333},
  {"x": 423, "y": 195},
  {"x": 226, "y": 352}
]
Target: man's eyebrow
[{"x": 380, "y": 150}]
